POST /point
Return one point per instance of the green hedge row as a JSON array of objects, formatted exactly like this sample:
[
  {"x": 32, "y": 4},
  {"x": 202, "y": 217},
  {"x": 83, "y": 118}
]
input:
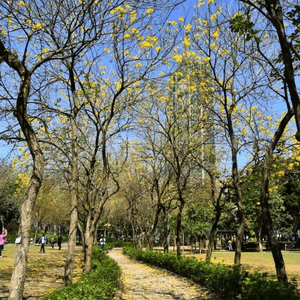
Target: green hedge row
[
  {"x": 100, "y": 283},
  {"x": 227, "y": 282}
]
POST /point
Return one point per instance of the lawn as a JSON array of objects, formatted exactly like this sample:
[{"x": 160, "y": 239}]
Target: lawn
[
  {"x": 257, "y": 261},
  {"x": 44, "y": 272}
]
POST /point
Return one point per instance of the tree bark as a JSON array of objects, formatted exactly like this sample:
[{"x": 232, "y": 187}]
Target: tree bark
[
  {"x": 258, "y": 238},
  {"x": 166, "y": 235},
  {"x": 20, "y": 264},
  {"x": 266, "y": 214},
  {"x": 264, "y": 201},
  {"x": 218, "y": 208},
  {"x": 74, "y": 202},
  {"x": 212, "y": 234},
  {"x": 178, "y": 227}
]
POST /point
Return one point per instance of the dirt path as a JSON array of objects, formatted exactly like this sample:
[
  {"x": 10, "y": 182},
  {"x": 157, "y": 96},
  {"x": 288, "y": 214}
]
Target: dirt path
[{"x": 140, "y": 282}]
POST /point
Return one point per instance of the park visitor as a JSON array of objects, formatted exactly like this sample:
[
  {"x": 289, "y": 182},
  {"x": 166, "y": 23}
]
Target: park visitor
[
  {"x": 102, "y": 241},
  {"x": 2, "y": 241},
  {"x": 230, "y": 245},
  {"x": 43, "y": 241},
  {"x": 52, "y": 241},
  {"x": 59, "y": 240}
]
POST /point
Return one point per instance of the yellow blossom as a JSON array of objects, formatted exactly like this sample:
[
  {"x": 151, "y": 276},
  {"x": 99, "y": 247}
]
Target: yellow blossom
[
  {"x": 21, "y": 3},
  {"x": 38, "y": 26},
  {"x": 280, "y": 173},
  {"x": 146, "y": 44},
  {"x": 215, "y": 34},
  {"x": 178, "y": 58},
  {"x": 188, "y": 27},
  {"x": 213, "y": 17},
  {"x": 149, "y": 11},
  {"x": 126, "y": 36}
]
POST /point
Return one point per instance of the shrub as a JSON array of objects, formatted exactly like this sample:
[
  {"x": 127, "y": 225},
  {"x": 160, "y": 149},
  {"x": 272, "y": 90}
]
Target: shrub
[
  {"x": 100, "y": 283},
  {"x": 227, "y": 282},
  {"x": 258, "y": 286}
]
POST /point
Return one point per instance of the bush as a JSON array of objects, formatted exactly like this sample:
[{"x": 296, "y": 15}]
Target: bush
[
  {"x": 12, "y": 233},
  {"x": 100, "y": 283},
  {"x": 227, "y": 282},
  {"x": 258, "y": 286},
  {"x": 118, "y": 244}
]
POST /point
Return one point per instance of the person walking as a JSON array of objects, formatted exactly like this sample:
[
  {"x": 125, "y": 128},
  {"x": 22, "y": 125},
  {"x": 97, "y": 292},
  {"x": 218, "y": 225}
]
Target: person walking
[
  {"x": 102, "y": 241},
  {"x": 2, "y": 241},
  {"x": 52, "y": 241},
  {"x": 43, "y": 240},
  {"x": 59, "y": 240},
  {"x": 230, "y": 245}
]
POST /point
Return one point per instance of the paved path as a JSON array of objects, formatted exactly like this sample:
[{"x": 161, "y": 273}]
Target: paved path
[{"x": 141, "y": 282}]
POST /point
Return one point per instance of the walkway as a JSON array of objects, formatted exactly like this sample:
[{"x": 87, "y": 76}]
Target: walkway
[{"x": 141, "y": 282}]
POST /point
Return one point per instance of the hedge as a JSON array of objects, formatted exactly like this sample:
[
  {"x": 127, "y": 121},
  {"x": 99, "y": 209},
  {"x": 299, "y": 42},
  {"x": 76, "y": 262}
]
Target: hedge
[
  {"x": 100, "y": 283},
  {"x": 228, "y": 283}
]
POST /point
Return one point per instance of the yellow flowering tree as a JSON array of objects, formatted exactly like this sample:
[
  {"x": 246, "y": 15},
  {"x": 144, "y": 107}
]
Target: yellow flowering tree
[
  {"x": 95, "y": 92},
  {"x": 34, "y": 36},
  {"x": 242, "y": 126}
]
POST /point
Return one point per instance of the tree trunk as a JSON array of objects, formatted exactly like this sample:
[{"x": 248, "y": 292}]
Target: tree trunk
[
  {"x": 258, "y": 238},
  {"x": 153, "y": 231},
  {"x": 275, "y": 247},
  {"x": 218, "y": 208},
  {"x": 264, "y": 201},
  {"x": 74, "y": 207},
  {"x": 166, "y": 236},
  {"x": 178, "y": 228},
  {"x": 241, "y": 217},
  {"x": 89, "y": 244},
  {"x": 239, "y": 239},
  {"x": 20, "y": 264},
  {"x": 211, "y": 240},
  {"x": 72, "y": 240}
]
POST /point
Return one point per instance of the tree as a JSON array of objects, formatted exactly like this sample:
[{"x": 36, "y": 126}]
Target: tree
[
  {"x": 279, "y": 15},
  {"x": 274, "y": 15},
  {"x": 32, "y": 35},
  {"x": 129, "y": 42}
]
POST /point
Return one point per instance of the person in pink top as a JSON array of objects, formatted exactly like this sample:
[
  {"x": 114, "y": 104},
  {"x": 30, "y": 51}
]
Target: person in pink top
[{"x": 2, "y": 240}]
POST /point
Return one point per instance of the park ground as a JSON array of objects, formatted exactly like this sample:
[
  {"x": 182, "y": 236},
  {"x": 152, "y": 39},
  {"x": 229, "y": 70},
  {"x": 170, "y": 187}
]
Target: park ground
[
  {"x": 45, "y": 271},
  {"x": 257, "y": 261}
]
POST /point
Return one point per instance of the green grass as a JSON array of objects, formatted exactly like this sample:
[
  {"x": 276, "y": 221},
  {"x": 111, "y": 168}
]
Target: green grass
[{"x": 257, "y": 261}]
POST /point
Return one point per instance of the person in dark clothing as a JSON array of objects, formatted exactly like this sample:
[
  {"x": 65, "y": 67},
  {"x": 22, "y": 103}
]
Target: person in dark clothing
[
  {"x": 59, "y": 240},
  {"x": 53, "y": 241},
  {"x": 102, "y": 241}
]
